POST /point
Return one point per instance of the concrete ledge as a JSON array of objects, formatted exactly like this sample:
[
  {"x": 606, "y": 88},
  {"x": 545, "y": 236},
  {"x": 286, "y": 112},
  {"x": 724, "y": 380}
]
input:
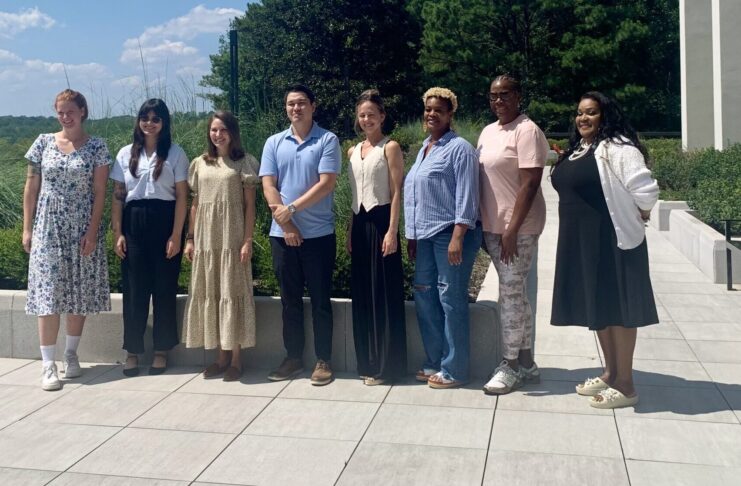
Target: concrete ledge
[
  {"x": 661, "y": 211},
  {"x": 703, "y": 246},
  {"x": 104, "y": 334}
]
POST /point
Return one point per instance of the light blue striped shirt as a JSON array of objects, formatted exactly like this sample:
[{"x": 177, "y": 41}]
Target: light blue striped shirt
[{"x": 442, "y": 189}]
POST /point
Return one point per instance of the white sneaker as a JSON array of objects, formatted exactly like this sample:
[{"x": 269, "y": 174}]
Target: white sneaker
[
  {"x": 505, "y": 380},
  {"x": 72, "y": 367},
  {"x": 49, "y": 379},
  {"x": 530, "y": 375}
]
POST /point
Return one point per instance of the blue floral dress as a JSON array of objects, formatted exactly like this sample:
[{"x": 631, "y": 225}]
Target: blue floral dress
[{"x": 60, "y": 279}]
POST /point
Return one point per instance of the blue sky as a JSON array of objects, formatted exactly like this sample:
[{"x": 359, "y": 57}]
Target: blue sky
[{"x": 98, "y": 43}]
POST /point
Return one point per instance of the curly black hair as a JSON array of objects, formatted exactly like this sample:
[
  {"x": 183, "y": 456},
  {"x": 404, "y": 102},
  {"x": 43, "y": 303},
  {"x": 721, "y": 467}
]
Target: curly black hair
[{"x": 614, "y": 126}]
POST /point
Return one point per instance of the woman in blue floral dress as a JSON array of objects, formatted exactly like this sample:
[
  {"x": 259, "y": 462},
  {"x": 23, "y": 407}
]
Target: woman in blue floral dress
[{"x": 62, "y": 211}]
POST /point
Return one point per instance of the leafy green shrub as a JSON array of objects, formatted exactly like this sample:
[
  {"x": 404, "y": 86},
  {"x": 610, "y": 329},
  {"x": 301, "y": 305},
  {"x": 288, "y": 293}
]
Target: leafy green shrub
[{"x": 13, "y": 260}]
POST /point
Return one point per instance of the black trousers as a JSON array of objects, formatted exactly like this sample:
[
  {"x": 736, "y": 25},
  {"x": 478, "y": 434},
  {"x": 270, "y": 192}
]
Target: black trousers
[
  {"x": 146, "y": 273},
  {"x": 310, "y": 265}
]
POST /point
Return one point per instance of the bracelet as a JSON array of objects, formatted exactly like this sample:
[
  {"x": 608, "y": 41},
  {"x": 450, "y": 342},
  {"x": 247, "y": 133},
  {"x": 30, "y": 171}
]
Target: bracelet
[{"x": 189, "y": 237}]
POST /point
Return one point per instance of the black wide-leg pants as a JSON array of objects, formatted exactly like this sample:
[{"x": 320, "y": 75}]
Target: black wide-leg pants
[{"x": 146, "y": 273}]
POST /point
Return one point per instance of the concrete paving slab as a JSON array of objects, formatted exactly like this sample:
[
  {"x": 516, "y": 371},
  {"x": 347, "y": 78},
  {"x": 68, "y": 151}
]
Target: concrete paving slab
[
  {"x": 710, "y": 331},
  {"x": 404, "y": 464},
  {"x": 18, "y": 401},
  {"x": 314, "y": 419},
  {"x": 171, "y": 380},
  {"x": 684, "y": 277},
  {"x": 226, "y": 414},
  {"x": 649, "y": 473},
  {"x": 413, "y": 392},
  {"x": 703, "y": 313},
  {"x": 434, "y": 426},
  {"x": 253, "y": 383},
  {"x": 680, "y": 441},
  {"x": 549, "y": 396},
  {"x": 555, "y": 433},
  {"x": 8, "y": 364},
  {"x": 671, "y": 373},
  {"x": 159, "y": 454},
  {"x": 664, "y": 349},
  {"x": 528, "y": 468},
  {"x": 90, "y": 406},
  {"x": 665, "y": 329},
  {"x": 347, "y": 387},
  {"x": 78, "y": 479},
  {"x": 26, "y": 477},
  {"x": 687, "y": 287},
  {"x": 30, "y": 374},
  {"x": 679, "y": 403},
  {"x": 567, "y": 368},
  {"x": 34, "y": 445},
  {"x": 724, "y": 373},
  {"x": 279, "y": 461},
  {"x": 721, "y": 300},
  {"x": 567, "y": 344},
  {"x": 717, "y": 351}
]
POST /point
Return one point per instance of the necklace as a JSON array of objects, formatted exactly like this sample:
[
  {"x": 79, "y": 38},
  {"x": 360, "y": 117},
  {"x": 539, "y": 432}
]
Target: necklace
[{"x": 581, "y": 150}]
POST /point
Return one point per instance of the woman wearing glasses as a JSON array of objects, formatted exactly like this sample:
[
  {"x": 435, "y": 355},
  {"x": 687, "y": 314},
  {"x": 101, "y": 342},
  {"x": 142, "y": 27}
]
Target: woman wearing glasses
[
  {"x": 513, "y": 152},
  {"x": 147, "y": 215}
]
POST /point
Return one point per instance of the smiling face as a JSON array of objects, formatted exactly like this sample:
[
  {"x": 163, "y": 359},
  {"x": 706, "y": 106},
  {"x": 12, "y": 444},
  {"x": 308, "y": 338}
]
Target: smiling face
[
  {"x": 438, "y": 116},
  {"x": 504, "y": 101},
  {"x": 299, "y": 108},
  {"x": 588, "y": 119},
  {"x": 150, "y": 124},
  {"x": 220, "y": 137},
  {"x": 370, "y": 118},
  {"x": 70, "y": 115}
]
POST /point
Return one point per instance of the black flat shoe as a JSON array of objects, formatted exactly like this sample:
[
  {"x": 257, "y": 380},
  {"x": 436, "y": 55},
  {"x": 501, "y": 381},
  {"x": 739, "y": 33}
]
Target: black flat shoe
[
  {"x": 158, "y": 370},
  {"x": 131, "y": 371}
]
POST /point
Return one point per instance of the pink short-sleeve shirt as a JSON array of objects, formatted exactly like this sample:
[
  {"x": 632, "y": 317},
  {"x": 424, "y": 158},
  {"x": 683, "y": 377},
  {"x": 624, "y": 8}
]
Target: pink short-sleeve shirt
[{"x": 504, "y": 150}]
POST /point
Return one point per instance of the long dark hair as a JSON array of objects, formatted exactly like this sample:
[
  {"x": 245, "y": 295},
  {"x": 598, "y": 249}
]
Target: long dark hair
[
  {"x": 164, "y": 139},
  {"x": 613, "y": 126},
  {"x": 231, "y": 123}
]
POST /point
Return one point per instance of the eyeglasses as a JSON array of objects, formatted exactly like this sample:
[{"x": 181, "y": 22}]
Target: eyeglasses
[
  {"x": 150, "y": 119},
  {"x": 502, "y": 95}
]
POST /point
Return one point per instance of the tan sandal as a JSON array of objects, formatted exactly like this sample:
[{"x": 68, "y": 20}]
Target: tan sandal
[
  {"x": 591, "y": 387},
  {"x": 438, "y": 381},
  {"x": 612, "y": 398}
]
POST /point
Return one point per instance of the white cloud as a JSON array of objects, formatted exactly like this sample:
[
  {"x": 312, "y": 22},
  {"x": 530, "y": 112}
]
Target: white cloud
[
  {"x": 165, "y": 42},
  {"x": 14, "y": 23},
  {"x": 7, "y": 57},
  {"x": 128, "y": 82},
  {"x": 21, "y": 71}
]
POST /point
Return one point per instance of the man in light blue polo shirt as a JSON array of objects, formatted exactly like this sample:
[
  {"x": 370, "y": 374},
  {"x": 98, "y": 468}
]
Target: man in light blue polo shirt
[{"x": 299, "y": 170}]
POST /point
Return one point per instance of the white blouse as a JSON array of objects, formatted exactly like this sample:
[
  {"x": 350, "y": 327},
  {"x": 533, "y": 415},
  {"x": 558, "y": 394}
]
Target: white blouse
[{"x": 369, "y": 177}]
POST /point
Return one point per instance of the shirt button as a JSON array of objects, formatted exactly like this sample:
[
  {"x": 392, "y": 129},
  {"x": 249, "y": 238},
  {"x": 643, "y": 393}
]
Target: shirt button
[
  {"x": 607, "y": 199},
  {"x": 612, "y": 213}
]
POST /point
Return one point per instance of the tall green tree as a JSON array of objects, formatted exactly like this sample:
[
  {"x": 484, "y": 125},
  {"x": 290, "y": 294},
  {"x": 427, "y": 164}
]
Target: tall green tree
[{"x": 338, "y": 48}]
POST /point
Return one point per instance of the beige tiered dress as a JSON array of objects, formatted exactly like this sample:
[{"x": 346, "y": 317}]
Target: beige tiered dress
[{"x": 220, "y": 309}]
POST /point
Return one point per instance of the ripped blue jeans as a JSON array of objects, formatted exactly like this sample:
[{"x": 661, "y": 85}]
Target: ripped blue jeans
[{"x": 441, "y": 302}]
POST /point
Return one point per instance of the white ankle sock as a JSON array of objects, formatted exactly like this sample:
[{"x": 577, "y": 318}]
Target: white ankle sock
[
  {"x": 72, "y": 343},
  {"x": 48, "y": 354}
]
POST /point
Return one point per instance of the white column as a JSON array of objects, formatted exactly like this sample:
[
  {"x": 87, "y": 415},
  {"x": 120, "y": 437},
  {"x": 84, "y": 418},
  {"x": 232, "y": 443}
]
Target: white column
[
  {"x": 696, "y": 66},
  {"x": 726, "y": 17}
]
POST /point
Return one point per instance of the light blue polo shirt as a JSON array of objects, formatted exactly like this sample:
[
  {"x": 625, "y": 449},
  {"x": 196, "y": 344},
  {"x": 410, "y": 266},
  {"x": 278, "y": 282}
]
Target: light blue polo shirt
[{"x": 297, "y": 168}]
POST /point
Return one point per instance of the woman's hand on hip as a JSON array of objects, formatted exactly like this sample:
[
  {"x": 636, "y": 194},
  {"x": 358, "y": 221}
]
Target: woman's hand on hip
[{"x": 119, "y": 245}]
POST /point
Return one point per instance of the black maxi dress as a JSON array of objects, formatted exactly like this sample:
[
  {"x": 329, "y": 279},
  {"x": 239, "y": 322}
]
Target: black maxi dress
[
  {"x": 377, "y": 291},
  {"x": 596, "y": 284}
]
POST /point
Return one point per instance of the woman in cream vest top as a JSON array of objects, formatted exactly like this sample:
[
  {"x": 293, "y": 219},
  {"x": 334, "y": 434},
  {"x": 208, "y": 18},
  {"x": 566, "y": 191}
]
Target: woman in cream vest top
[{"x": 376, "y": 172}]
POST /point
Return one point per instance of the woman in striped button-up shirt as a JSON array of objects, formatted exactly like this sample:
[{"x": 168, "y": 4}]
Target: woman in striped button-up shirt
[{"x": 441, "y": 194}]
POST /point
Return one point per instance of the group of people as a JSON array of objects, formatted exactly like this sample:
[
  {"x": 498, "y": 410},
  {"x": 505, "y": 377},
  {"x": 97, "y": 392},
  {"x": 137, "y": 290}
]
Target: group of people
[{"x": 456, "y": 197}]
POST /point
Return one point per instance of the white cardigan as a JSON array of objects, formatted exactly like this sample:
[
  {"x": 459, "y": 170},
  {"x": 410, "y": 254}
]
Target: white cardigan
[{"x": 628, "y": 186}]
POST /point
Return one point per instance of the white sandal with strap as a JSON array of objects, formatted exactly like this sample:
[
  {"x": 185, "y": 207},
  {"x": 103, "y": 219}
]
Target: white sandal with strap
[
  {"x": 591, "y": 387},
  {"x": 612, "y": 398}
]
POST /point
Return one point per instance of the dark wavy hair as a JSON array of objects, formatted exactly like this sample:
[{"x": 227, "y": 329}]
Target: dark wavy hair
[
  {"x": 614, "y": 126},
  {"x": 164, "y": 140},
  {"x": 231, "y": 123}
]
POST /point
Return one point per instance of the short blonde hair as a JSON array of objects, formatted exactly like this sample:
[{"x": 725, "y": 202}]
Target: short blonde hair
[{"x": 443, "y": 93}]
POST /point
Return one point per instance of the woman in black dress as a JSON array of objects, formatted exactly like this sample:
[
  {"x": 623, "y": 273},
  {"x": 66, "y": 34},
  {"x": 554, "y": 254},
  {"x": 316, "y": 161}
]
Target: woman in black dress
[{"x": 602, "y": 280}]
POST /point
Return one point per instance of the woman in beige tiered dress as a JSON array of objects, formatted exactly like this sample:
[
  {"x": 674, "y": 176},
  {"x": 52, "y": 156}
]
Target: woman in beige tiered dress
[{"x": 221, "y": 311}]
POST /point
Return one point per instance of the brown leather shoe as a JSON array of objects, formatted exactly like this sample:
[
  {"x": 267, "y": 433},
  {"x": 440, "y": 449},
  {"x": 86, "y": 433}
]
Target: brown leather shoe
[
  {"x": 289, "y": 368},
  {"x": 232, "y": 374},
  {"x": 322, "y": 374},
  {"x": 213, "y": 370}
]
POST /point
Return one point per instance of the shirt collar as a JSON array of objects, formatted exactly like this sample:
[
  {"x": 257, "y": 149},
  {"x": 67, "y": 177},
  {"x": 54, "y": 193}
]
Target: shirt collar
[
  {"x": 313, "y": 133},
  {"x": 449, "y": 135}
]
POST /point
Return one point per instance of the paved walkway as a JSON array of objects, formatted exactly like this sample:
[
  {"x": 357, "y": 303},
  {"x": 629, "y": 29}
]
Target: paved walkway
[{"x": 181, "y": 429}]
